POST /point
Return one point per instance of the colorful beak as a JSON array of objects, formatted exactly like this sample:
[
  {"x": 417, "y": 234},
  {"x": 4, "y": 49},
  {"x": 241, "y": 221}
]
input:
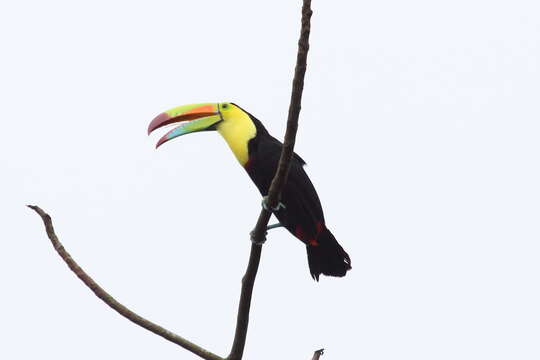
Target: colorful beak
[{"x": 198, "y": 117}]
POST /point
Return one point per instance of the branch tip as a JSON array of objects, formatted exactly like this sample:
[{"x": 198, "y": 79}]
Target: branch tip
[{"x": 317, "y": 354}]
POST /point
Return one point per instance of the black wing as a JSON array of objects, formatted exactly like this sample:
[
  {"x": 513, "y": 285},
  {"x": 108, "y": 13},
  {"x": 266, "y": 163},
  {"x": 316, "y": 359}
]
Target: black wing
[{"x": 303, "y": 212}]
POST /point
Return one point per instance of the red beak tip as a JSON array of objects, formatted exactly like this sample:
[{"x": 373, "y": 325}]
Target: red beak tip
[
  {"x": 159, "y": 121},
  {"x": 161, "y": 141}
]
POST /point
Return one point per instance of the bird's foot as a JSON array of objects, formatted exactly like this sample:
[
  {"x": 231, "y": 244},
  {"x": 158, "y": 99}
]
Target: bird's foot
[
  {"x": 264, "y": 204},
  {"x": 254, "y": 239},
  {"x": 262, "y": 240},
  {"x": 258, "y": 238},
  {"x": 273, "y": 226}
]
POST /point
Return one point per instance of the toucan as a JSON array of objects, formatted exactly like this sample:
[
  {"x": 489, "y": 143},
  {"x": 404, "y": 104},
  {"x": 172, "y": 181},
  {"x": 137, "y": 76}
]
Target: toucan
[{"x": 258, "y": 152}]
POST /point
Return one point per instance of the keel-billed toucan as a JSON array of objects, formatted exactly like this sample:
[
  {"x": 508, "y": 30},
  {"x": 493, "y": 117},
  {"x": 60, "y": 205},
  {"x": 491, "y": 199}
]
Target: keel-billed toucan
[{"x": 259, "y": 152}]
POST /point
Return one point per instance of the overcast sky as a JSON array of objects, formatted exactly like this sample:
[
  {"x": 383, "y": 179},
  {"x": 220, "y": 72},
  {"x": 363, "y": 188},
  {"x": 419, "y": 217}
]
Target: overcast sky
[{"x": 420, "y": 125}]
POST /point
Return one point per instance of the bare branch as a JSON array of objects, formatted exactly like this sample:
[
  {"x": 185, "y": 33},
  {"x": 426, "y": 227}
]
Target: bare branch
[
  {"x": 113, "y": 303},
  {"x": 280, "y": 178}
]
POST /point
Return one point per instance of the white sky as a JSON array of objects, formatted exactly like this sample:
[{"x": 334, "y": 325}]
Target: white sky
[{"x": 420, "y": 125}]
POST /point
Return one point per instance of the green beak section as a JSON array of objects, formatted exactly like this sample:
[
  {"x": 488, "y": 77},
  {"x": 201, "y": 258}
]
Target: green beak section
[{"x": 198, "y": 117}]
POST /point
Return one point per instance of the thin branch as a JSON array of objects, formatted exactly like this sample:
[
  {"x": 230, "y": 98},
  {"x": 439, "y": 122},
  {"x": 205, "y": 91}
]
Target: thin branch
[
  {"x": 280, "y": 178},
  {"x": 112, "y": 302},
  {"x": 242, "y": 320}
]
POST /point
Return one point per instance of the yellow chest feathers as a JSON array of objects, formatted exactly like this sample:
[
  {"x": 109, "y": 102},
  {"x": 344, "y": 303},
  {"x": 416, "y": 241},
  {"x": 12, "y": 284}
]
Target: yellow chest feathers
[{"x": 237, "y": 129}]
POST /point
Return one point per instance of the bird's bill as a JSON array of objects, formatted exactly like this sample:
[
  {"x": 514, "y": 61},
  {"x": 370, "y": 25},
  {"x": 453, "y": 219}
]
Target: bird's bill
[{"x": 197, "y": 117}]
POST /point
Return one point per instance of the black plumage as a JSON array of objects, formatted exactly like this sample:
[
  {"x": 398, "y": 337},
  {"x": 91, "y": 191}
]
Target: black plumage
[{"x": 303, "y": 215}]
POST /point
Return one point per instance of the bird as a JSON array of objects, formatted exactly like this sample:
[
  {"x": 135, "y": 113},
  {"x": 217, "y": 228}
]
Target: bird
[{"x": 258, "y": 152}]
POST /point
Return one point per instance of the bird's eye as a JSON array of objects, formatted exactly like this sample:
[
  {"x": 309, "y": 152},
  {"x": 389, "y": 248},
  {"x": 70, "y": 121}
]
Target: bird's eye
[{"x": 225, "y": 106}]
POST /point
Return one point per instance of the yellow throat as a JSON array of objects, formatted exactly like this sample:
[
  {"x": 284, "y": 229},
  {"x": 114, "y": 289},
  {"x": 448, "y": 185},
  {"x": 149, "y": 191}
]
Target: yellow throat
[{"x": 237, "y": 129}]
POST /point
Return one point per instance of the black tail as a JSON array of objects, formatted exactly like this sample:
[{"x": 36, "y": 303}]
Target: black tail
[{"x": 328, "y": 257}]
